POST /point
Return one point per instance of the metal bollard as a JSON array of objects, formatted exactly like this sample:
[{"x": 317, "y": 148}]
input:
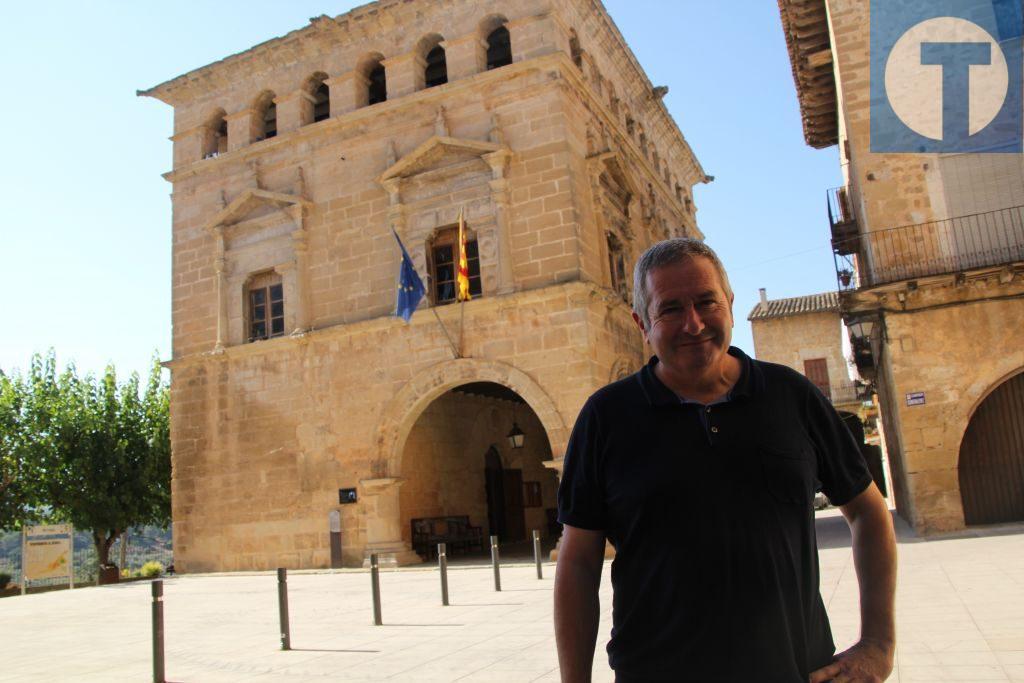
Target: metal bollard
[
  {"x": 158, "y": 631},
  {"x": 282, "y": 608},
  {"x": 536, "y": 553},
  {"x": 442, "y": 563},
  {"x": 494, "y": 561},
  {"x": 375, "y": 586}
]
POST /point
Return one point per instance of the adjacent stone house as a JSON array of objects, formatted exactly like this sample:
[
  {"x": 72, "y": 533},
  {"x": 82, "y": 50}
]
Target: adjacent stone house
[
  {"x": 310, "y": 426},
  {"x": 929, "y": 252},
  {"x": 805, "y": 333}
]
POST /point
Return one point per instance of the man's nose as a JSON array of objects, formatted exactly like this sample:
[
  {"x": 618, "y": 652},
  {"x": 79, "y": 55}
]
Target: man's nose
[{"x": 693, "y": 324}]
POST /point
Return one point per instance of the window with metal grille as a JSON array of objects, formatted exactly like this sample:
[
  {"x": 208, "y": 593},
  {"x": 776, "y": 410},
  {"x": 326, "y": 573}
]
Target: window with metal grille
[
  {"x": 266, "y": 308},
  {"x": 443, "y": 262}
]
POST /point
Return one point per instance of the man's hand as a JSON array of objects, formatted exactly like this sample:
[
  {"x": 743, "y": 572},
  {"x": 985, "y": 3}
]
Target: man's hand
[{"x": 868, "y": 661}]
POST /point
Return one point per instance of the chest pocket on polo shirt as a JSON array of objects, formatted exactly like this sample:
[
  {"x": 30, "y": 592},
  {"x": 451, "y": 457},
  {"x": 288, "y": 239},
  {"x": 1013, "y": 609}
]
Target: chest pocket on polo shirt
[{"x": 790, "y": 475}]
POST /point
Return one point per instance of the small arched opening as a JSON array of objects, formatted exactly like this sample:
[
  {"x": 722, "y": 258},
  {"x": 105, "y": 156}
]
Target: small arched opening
[
  {"x": 435, "y": 71},
  {"x": 321, "y": 93},
  {"x": 371, "y": 68},
  {"x": 216, "y": 142},
  {"x": 266, "y": 116},
  {"x": 498, "y": 41}
]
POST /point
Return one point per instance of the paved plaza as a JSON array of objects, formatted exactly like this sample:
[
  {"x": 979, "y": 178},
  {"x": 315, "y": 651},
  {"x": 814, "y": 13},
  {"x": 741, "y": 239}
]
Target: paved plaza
[{"x": 960, "y": 617}]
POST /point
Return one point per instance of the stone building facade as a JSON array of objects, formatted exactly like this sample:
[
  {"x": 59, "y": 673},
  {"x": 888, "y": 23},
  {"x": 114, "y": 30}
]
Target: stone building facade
[
  {"x": 930, "y": 264},
  {"x": 294, "y": 162},
  {"x": 805, "y": 333}
]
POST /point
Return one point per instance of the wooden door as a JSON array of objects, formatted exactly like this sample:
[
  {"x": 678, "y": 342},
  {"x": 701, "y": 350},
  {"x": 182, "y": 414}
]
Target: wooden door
[
  {"x": 992, "y": 458},
  {"x": 816, "y": 370},
  {"x": 515, "y": 519}
]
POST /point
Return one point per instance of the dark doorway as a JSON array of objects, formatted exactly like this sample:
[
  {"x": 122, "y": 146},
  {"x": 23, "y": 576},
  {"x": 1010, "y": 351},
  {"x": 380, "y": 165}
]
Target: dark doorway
[{"x": 504, "y": 488}]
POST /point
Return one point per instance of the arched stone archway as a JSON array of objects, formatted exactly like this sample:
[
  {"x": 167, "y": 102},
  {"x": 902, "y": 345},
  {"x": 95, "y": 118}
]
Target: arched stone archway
[
  {"x": 405, "y": 408},
  {"x": 990, "y": 464}
]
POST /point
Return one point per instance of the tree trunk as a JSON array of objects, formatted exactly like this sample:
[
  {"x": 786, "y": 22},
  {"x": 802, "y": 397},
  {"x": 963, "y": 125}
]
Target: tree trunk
[
  {"x": 107, "y": 572},
  {"x": 102, "y": 545}
]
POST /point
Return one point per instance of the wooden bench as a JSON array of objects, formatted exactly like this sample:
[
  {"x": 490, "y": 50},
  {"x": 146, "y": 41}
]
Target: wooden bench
[{"x": 453, "y": 530}]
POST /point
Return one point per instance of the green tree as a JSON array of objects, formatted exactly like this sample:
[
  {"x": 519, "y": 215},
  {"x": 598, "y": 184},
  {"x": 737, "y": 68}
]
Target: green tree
[
  {"x": 98, "y": 451},
  {"x": 18, "y": 497}
]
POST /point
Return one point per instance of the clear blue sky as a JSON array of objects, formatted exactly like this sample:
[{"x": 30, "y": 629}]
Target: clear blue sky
[{"x": 85, "y": 216}]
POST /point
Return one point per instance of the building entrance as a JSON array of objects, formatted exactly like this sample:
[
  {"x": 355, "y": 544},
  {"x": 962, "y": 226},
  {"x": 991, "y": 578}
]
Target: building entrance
[
  {"x": 464, "y": 478},
  {"x": 992, "y": 457}
]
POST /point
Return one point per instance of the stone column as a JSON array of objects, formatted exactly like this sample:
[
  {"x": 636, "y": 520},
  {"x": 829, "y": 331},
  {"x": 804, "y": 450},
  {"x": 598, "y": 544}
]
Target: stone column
[
  {"x": 188, "y": 145},
  {"x": 239, "y": 129},
  {"x": 465, "y": 56},
  {"x": 219, "y": 267},
  {"x": 294, "y": 110},
  {"x": 498, "y": 162},
  {"x": 301, "y": 249},
  {"x": 384, "y": 523},
  {"x": 405, "y": 74},
  {"x": 348, "y": 92}
]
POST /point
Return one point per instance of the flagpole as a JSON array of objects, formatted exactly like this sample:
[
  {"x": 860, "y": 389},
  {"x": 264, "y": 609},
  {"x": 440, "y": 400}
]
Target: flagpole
[
  {"x": 445, "y": 330},
  {"x": 462, "y": 328}
]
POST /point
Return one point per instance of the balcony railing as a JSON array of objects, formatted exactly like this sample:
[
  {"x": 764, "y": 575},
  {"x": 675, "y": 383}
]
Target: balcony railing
[
  {"x": 845, "y": 392},
  {"x": 941, "y": 247},
  {"x": 841, "y": 217}
]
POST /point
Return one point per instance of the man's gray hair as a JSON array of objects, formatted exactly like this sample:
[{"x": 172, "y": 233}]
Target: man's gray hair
[{"x": 668, "y": 253}]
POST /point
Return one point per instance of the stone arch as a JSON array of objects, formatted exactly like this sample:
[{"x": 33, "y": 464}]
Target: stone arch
[
  {"x": 976, "y": 394},
  {"x": 265, "y": 115},
  {"x": 988, "y": 459},
  {"x": 405, "y": 408},
  {"x": 373, "y": 85},
  {"x": 431, "y": 49},
  {"x": 317, "y": 88},
  {"x": 496, "y": 41},
  {"x": 215, "y": 141}
]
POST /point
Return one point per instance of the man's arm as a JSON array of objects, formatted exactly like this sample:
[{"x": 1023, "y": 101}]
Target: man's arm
[
  {"x": 577, "y": 607},
  {"x": 874, "y": 556}
]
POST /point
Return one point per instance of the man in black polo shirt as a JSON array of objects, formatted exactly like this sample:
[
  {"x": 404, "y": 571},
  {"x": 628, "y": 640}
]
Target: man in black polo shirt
[{"x": 701, "y": 471}]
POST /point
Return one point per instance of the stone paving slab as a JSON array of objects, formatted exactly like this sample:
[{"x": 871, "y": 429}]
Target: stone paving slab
[{"x": 960, "y": 612}]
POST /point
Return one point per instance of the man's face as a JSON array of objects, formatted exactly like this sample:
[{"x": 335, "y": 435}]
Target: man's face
[{"x": 691, "y": 317}]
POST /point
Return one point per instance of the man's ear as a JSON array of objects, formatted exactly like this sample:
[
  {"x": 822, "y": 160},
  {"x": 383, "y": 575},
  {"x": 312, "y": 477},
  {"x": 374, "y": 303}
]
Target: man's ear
[{"x": 640, "y": 325}]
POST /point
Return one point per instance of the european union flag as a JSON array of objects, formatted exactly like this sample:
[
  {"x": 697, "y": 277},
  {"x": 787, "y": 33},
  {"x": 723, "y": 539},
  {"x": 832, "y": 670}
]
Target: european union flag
[{"x": 410, "y": 286}]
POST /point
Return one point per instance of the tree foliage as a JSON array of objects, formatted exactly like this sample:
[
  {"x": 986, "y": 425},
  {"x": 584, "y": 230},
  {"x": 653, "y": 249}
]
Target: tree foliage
[{"x": 84, "y": 450}]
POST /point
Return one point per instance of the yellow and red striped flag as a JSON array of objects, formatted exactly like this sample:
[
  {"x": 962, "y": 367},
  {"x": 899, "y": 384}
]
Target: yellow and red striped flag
[{"x": 462, "y": 274}]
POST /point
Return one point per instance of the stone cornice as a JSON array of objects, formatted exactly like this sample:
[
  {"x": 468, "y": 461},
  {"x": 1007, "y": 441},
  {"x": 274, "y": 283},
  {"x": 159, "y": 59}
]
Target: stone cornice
[
  {"x": 908, "y": 296},
  {"x": 169, "y": 91},
  {"x": 580, "y": 290}
]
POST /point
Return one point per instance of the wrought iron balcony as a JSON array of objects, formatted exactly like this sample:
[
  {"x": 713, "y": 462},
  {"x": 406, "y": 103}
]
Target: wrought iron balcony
[
  {"x": 841, "y": 217},
  {"x": 943, "y": 247},
  {"x": 846, "y": 392}
]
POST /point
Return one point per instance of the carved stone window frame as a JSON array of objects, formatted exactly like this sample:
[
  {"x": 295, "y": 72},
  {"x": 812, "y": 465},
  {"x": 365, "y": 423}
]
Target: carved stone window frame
[
  {"x": 233, "y": 274},
  {"x": 491, "y": 223}
]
